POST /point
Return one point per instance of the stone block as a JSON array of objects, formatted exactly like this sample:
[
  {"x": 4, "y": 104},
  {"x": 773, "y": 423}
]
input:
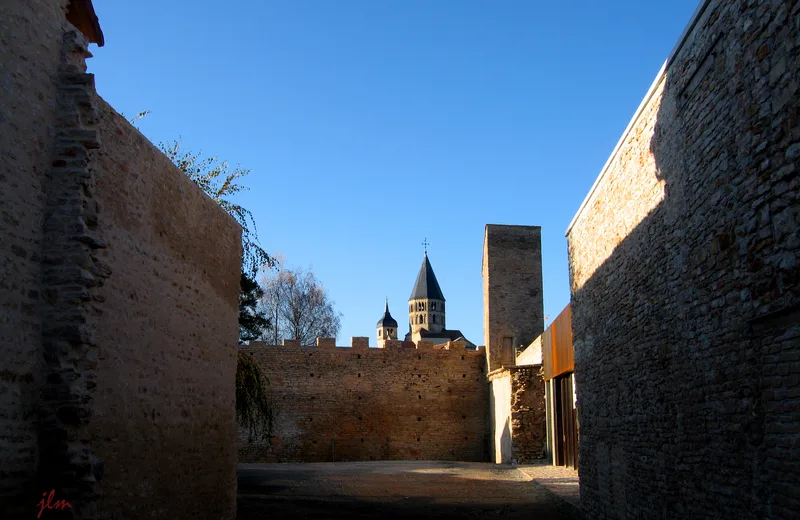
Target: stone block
[
  {"x": 326, "y": 342},
  {"x": 359, "y": 342}
]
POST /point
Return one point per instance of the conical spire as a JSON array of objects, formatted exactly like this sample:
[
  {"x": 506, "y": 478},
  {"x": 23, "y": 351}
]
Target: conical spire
[
  {"x": 426, "y": 286},
  {"x": 387, "y": 320}
]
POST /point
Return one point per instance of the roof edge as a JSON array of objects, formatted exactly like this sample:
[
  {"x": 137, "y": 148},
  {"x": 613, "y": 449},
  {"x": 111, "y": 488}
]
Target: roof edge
[{"x": 656, "y": 82}]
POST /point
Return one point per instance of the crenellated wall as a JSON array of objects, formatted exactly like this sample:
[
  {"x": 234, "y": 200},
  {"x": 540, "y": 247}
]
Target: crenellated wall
[{"x": 359, "y": 403}]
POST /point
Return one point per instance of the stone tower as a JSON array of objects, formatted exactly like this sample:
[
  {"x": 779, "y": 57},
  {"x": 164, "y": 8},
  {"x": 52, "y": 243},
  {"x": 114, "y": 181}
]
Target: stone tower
[
  {"x": 387, "y": 327},
  {"x": 513, "y": 304},
  {"x": 426, "y": 304}
]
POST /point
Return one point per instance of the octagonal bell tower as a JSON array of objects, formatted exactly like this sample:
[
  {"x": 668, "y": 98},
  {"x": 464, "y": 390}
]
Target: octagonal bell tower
[{"x": 426, "y": 304}]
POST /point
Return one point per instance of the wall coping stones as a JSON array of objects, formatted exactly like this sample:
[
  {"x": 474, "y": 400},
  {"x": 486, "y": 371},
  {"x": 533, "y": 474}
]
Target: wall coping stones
[{"x": 662, "y": 73}]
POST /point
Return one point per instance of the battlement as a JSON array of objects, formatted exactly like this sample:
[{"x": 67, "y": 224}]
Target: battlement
[
  {"x": 406, "y": 401},
  {"x": 361, "y": 343}
]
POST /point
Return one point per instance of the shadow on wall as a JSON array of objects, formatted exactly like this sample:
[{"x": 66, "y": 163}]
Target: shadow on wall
[
  {"x": 684, "y": 333},
  {"x": 505, "y": 443}
]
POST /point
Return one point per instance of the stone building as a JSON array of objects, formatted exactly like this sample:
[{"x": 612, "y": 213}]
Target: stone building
[
  {"x": 106, "y": 393},
  {"x": 685, "y": 279},
  {"x": 513, "y": 301},
  {"x": 387, "y": 327},
  {"x": 426, "y": 310},
  {"x": 513, "y": 317}
]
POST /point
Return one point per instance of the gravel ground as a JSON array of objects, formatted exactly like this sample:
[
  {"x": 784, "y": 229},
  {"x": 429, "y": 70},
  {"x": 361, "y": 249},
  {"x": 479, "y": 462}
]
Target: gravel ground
[{"x": 382, "y": 490}]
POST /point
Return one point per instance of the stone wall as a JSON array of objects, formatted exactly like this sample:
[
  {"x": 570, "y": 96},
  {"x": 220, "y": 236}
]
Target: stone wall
[
  {"x": 28, "y": 97},
  {"x": 500, "y": 415},
  {"x": 397, "y": 403},
  {"x": 163, "y": 424},
  {"x": 120, "y": 284},
  {"x": 513, "y": 313},
  {"x": 518, "y": 414},
  {"x": 684, "y": 275}
]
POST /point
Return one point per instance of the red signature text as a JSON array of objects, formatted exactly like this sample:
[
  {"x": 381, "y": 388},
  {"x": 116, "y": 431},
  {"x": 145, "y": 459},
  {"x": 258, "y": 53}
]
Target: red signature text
[{"x": 50, "y": 503}]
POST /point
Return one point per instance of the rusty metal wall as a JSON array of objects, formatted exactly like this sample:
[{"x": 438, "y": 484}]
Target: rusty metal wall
[{"x": 557, "y": 352}]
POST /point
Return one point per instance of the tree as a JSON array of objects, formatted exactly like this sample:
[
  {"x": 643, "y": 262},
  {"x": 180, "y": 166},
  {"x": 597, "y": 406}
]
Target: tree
[
  {"x": 299, "y": 307},
  {"x": 219, "y": 181},
  {"x": 253, "y": 322}
]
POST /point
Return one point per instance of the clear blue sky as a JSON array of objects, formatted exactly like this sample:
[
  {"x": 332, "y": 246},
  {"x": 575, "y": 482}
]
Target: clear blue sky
[{"x": 372, "y": 124}]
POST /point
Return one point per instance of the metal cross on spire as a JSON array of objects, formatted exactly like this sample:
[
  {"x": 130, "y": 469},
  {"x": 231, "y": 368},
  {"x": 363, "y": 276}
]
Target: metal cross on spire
[{"x": 425, "y": 244}]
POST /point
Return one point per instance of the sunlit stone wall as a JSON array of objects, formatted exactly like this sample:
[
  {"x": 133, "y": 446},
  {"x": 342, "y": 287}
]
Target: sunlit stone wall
[{"x": 685, "y": 274}]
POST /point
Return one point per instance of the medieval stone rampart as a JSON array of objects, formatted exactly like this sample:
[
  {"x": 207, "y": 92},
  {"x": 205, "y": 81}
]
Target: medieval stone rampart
[
  {"x": 394, "y": 403},
  {"x": 163, "y": 421},
  {"x": 119, "y": 289},
  {"x": 685, "y": 269},
  {"x": 28, "y": 100}
]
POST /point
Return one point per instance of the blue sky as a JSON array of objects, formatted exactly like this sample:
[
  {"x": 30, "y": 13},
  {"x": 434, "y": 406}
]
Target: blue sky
[{"x": 370, "y": 125}]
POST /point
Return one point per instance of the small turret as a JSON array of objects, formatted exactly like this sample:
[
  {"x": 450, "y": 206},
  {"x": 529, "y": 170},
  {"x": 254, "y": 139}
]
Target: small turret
[{"x": 387, "y": 327}]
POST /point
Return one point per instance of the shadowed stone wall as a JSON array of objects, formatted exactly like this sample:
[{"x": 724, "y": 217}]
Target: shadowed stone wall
[
  {"x": 359, "y": 403},
  {"x": 685, "y": 273},
  {"x": 28, "y": 99},
  {"x": 120, "y": 289}
]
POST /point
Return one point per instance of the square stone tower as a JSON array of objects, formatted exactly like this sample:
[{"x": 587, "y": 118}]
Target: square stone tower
[{"x": 513, "y": 303}]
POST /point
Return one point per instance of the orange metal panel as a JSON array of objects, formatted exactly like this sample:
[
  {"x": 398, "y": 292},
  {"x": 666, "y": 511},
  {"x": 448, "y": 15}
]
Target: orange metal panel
[{"x": 557, "y": 351}]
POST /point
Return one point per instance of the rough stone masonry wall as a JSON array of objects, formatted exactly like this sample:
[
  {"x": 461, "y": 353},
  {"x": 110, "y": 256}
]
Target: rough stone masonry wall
[
  {"x": 685, "y": 274},
  {"x": 163, "y": 424},
  {"x": 528, "y": 434},
  {"x": 517, "y": 412},
  {"x": 362, "y": 403},
  {"x": 72, "y": 273},
  {"x": 512, "y": 290},
  {"x": 118, "y": 397},
  {"x": 30, "y": 53}
]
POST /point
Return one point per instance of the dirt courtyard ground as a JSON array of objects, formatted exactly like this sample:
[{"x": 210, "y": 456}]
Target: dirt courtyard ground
[{"x": 394, "y": 489}]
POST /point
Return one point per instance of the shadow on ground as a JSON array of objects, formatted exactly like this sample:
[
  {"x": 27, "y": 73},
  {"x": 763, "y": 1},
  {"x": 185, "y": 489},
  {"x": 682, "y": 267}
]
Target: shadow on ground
[{"x": 396, "y": 489}]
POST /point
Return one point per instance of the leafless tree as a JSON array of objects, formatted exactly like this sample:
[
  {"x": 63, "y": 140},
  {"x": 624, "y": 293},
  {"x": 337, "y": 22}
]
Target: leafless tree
[{"x": 298, "y": 306}]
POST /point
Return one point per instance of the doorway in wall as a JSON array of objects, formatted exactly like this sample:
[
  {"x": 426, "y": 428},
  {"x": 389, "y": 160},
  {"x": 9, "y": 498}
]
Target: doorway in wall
[{"x": 566, "y": 434}]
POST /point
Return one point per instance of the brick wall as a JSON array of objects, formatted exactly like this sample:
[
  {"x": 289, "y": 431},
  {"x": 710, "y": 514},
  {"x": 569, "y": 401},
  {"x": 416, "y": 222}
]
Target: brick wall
[
  {"x": 372, "y": 404},
  {"x": 27, "y": 119},
  {"x": 684, "y": 275},
  {"x": 163, "y": 424}
]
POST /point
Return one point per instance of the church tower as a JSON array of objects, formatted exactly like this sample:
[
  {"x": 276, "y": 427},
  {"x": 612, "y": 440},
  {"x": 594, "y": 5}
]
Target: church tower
[
  {"x": 426, "y": 304},
  {"x": 387, "y": 327}
]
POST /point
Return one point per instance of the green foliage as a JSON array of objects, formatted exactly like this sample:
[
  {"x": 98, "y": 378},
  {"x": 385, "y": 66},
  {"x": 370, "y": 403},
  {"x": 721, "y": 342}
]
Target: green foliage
[
  {"x": 220, "y": 181},
  {"x": 253, "y": 322},
  {"x": 140, "y": 115},
  {"x": 253, "y": 407}
]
